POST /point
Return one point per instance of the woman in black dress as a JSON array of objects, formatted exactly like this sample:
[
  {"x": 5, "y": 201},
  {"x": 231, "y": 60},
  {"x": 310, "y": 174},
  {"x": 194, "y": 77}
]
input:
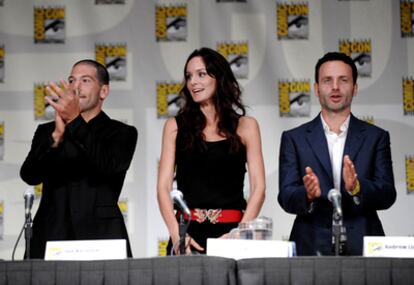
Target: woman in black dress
[{"x": 208, "y": 145}]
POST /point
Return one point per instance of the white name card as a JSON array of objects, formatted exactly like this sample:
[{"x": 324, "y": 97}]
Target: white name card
[
  {"x": 86, "y": 249},
  {"x": 241, "y": 248},
  {"x": 388, "y": 246}
]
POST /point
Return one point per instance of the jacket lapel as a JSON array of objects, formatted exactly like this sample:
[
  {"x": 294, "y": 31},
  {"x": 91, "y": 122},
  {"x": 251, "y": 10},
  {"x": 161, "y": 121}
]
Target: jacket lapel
[
  {"x": 354, "y": 138},
  {"x": 315, "y": 136}
]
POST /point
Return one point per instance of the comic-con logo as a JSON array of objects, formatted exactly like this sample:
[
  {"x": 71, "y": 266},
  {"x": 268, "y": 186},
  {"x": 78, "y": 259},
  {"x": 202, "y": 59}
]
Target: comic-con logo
[
  {"x": 361, "y": 53},
  {"x": 42, "y": 109},
  {"x": 292, "y": 21},
  {"x": 408, "y": 96},
  {"x": 294, "y": 98},
  {"x": 407, "y": 18},
  {"x": 114, "y": 57},
  {"x": 1, "y": 140},
  {"x": 162, "y": 247},
  {"x": 2, "y": 68},
  {"x": 368, "y": 119},
  {"x": 49, "y": 24},
  {"x": 123, "y": 207},
  {"x": 170, "y": 22},
  {"x": 237, "y": 54},
  {"x": 38, "y": 190},
  {"x": 409, "y": 170},
  {"x": 374, "y": 247},
  {"x": 109, "y": 2},
  {"x": 169, "y": 101}
]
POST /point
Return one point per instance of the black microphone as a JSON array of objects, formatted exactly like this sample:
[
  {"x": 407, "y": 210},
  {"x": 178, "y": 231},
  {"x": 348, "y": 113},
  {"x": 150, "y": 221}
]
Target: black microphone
[
  {"x": 28, "y": 200},
  {"x": 177, "y": 197},
  {"x": 335, "y": 197}
]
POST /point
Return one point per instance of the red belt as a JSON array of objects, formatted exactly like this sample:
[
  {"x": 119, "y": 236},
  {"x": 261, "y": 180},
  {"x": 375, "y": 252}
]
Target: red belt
[{"x": 214, "y": 215}]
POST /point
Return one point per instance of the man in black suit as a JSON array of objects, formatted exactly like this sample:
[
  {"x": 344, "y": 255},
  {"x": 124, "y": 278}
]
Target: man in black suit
[{"x": 82, "y": 159}]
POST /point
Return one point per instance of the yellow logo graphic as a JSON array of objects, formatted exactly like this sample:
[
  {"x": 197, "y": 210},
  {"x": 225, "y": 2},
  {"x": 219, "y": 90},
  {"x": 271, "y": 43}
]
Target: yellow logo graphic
[
  {"x": 408, "y": 96},
  {"x": 361, "y": 53},
  {"x": 292, "y": 21},
  {"x": 162, "y": 247},
  {"x": 236, "y": 54},
  {"x": 123, "y": 207},
  {"x": 171, "y": 22},
  {"x": 114, "y": 57},
  {"x": 42, "y": 109},
  {"x": 294, "y": 98},
  {"x": 407, "y": 18},
  {"x": 374, "y": 247},
  {"x": 409, "y": 170},
  {"x": 49, "y": 25},
  {"x": 38, "y": 189},
  {"x": 368, "y": 119},
  {"x": 168, "y": 99}
]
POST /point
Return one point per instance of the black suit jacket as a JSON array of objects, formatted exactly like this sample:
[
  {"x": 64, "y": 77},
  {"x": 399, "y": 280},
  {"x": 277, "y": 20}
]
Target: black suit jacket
[
  {"x": 82, "y": 180},
  {"x": 369, "y": 148}
]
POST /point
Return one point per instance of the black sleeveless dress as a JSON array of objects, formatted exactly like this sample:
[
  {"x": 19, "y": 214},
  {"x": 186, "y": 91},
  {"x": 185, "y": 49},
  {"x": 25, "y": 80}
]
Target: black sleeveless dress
[{"x": 210, "y": 178}]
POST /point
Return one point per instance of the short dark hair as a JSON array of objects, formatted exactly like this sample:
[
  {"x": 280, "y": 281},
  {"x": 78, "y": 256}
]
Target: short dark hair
[
  {"x": 101, "y": 72},
  {"x": 333, "y": 56}
]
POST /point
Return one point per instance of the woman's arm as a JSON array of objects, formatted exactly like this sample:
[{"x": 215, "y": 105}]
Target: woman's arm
[{"x": 249, "y": 132}]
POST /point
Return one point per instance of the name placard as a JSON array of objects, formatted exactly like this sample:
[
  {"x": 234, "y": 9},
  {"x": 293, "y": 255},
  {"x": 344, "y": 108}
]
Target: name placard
[
  {"x": 86, "y": 249},
  {"x": 388, "y": 246},
  {"x": 240, "y": 248}
]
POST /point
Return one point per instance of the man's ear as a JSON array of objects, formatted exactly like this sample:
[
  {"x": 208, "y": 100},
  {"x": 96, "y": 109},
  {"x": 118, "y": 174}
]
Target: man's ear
[
  {"x": 315, "y": 89},
  {"x": 104, "y": 92},
  {"x": 355, "y": 90}
]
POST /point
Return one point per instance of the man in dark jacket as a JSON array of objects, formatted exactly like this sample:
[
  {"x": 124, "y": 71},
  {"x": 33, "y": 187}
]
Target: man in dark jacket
[{"x": 81, "y": 159}]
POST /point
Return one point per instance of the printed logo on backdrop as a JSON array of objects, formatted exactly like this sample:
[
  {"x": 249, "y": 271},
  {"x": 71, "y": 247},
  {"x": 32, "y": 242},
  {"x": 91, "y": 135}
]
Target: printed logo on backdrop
[
  {"x": 2, "y": 140},
  {"x": 1, "y": 219},
  {"x": 38, "y": 189},
  {"x": 361, "y": 53},
  {"x": 368, "y": 119},
  {"x": 171, "y": 22},
  {"x": 42, "y": 109},
  {"x": 49, "y": 24},
  {"x": 2, "y": 63},
  {"x": 407, "y": 18},
  {"x": 409, "y": 170},
  {"x": 408, "y": 96},
  {"x": 109, "y": 2},
  {"x": 114, "y": 57},
  {"x": 162, "y": 247},
  {"x": 123, "y": 207},
  {"x": 292, "y": 20},
  {"x": 169, "y": 101},
  {"x": 294, "y": 98},
  {"x": 237, "y": 54}
]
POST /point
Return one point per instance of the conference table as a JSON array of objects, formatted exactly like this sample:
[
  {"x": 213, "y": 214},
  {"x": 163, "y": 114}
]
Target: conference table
[{"x": 200, "y": 269}]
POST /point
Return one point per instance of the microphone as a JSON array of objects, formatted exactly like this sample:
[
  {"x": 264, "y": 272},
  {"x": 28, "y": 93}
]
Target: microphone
[
  {"x": 177, "y": 197},
  {"x": 28, "y": 200},
  {"x": 335, "y": 197}
]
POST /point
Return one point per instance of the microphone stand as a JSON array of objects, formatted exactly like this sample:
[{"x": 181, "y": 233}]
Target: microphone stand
[
  {"x": 182, "y": 232},
  {"x": 338, "y": 234},
  {"x": 28, "y": 234}
]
